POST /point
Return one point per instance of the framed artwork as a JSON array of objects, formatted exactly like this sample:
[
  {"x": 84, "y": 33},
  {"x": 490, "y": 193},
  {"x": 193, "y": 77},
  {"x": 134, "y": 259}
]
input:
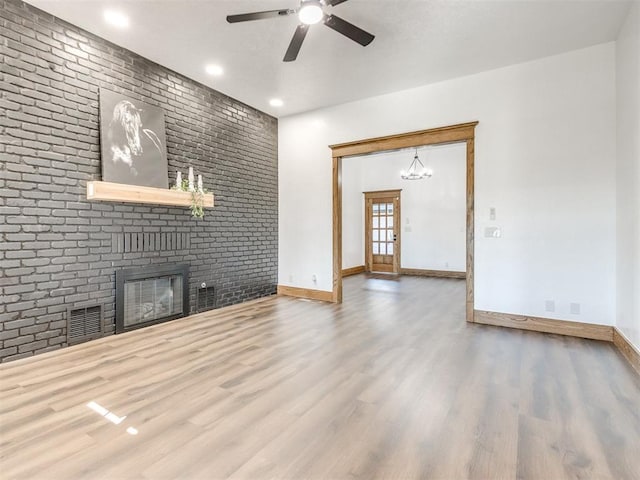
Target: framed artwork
[{"x": 133, "y": 141}]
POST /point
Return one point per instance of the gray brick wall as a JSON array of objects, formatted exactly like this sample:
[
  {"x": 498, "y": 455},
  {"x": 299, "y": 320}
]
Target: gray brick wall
[{"x": 57, "y": 249}]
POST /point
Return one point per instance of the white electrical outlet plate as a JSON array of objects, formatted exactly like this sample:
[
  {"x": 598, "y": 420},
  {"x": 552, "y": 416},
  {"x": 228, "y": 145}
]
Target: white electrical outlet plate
[
  {"x": 492, "y": 232},
  {"x": 492, "y": 213},
  {"x": 549, "y": 306},
  {"x": 574, "y": 308}
]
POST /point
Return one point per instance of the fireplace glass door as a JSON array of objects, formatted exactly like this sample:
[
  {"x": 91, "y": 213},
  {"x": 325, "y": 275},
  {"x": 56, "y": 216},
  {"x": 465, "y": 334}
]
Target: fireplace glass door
[
  {"x": 152, "y": 299},
  {"x": 151, "y": 294}
]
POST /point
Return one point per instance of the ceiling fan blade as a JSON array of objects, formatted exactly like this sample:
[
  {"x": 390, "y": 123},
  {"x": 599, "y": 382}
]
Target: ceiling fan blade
[
  {"x": 348, "y": 30},
  {"x": 333, "y": 3},
  {"x": 296, "y": 43},
  {"x": 247, "y": 17}
]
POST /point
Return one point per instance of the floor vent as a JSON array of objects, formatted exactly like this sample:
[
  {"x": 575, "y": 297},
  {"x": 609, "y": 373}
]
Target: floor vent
[
  {"x": 84, "y": 323},
  {"x": 206, "y": 299}
]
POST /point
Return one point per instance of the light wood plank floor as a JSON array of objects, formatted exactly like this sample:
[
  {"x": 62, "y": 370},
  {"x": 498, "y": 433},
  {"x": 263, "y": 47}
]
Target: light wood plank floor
[{"x": 391, "y": 384}]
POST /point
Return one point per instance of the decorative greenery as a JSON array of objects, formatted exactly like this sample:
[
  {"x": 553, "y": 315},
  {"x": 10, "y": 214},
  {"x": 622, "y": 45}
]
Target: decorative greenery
[
  {"x": 197, "y": 204},
  {"x": 197, "y": 198}
]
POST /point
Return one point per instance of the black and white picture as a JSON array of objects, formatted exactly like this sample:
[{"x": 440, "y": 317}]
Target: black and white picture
[{"x": 133, "y": 142}]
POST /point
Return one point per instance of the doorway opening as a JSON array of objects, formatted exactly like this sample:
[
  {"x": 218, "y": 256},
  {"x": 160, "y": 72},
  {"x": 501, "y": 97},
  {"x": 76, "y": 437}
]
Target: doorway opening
[{"x": 461, "y": 133}]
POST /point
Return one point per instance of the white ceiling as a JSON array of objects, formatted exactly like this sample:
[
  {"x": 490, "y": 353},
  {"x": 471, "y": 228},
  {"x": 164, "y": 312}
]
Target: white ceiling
[{"x": 417, "y": 42}]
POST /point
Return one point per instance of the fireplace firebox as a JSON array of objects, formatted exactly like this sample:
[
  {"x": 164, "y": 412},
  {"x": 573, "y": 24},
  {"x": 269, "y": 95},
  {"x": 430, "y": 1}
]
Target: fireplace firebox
[{"x": 149, "y": 295}]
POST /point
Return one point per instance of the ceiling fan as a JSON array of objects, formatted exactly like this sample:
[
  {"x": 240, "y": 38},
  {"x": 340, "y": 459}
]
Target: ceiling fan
[{"x": 309, "y": 12}]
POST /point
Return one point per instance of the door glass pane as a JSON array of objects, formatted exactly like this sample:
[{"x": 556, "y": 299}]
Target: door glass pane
[
  {"x": 383, "y": 208},
  {"x": 389, "y": 236},
  {"x": 390, "y": 248},
  {"x": 383, "y": 222},
  {"x": 389, "y": 222},
  {"x": 375, "y": 222},
  {"x": 389, "y": 208},
  {"x": 383, "y": 248},
  {"x": 375, "y": 208},
  {"x": 375, "y": 248},
  {"x": 376, "y": 235}
]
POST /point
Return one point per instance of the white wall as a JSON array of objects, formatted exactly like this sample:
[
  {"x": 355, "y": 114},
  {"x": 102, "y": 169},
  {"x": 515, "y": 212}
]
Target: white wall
[
  {"x": 545, "y": 159},
  {"x": 628, "y": 177},
  {"x": 352, "y": 213},
  {"x": 433, "y": 210}
]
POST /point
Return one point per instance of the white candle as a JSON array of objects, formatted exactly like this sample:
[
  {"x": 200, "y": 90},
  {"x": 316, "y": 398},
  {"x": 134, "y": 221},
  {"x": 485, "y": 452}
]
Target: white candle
[
  {"x": 200, "y": 188},
  {"x": 191, "y": 180}
]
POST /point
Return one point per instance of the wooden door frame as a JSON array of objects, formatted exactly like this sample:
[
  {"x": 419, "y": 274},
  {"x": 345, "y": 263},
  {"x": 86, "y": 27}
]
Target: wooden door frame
[
  {"x": 460, "y": 133},
  {"x": 378, "y": 194}
]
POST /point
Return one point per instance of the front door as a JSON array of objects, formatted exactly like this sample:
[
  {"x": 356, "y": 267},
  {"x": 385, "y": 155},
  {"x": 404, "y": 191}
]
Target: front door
[{"x": 382, "y": 232}]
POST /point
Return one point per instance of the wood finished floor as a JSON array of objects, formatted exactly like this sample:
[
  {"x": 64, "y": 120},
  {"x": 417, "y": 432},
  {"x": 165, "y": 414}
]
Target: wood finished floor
[{"x": 391, "y": 384}]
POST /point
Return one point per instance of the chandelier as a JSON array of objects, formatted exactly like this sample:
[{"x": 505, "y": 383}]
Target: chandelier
[{"x": 417, "y": 170}]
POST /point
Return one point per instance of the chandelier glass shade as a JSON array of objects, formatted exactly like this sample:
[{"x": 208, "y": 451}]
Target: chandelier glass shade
[{"x": 417, "y": 170}]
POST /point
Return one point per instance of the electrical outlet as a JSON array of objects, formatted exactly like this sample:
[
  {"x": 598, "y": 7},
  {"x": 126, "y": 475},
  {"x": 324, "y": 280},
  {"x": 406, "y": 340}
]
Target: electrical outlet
[
  {"x": 314, "y": 278},
  {"x": 290, "y": 278},
  {"x": 492, "y": 213},
  {"x": 492, "y": 232},
  {"x": 549, "y": 306},
  {"x": 574, "y": 308}
]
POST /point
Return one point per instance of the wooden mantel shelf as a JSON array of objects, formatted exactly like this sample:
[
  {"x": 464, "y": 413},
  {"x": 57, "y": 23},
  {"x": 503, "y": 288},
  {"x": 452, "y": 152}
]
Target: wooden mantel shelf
[{"x": 119, "y": 192}]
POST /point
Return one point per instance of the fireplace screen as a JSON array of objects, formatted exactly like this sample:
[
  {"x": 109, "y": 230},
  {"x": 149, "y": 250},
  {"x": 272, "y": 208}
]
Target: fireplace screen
[
  {"x": 150, "y": 295},
  {"x": 152, "y": 299}
]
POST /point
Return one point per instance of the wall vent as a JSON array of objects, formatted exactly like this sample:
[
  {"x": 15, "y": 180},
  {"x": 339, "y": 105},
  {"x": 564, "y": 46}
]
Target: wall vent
[
  {"x": 84, "y": 323},
  {"x": 205, "y": 299},
  {"x": 130, "y": 242}
]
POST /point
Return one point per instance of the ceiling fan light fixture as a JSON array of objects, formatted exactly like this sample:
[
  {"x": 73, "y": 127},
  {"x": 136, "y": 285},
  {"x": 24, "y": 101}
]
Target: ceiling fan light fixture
[{"x": 310, "y": 12}]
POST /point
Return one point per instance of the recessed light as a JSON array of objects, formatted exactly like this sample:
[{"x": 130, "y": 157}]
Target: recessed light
[
  {"x": 276, "y": 102},
  {"x": 215, "y": 70},
  {"x": 115, "y": 18}
]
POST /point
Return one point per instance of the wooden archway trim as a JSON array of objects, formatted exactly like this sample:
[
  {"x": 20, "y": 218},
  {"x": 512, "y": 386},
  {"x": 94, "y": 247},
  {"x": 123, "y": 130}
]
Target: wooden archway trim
[
  {"x": 463, "y": 132},
  {"x": 434, "y": 136}
]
